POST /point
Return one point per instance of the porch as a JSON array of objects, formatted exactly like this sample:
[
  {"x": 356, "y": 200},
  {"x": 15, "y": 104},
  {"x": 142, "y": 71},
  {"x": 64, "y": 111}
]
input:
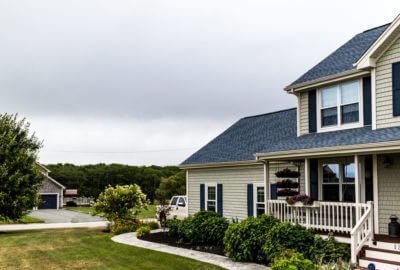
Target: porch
[{"x": 351, "y": 194}]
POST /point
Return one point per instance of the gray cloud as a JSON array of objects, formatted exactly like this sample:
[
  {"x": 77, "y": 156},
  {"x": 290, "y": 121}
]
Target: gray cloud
[{"x": 144, "y": 61}]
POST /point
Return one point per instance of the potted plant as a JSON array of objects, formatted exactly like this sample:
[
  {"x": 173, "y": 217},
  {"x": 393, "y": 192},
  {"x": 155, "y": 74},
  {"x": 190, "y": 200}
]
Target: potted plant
[
  {"x": 287, "y": 173},
  {"x": 287, "y": 183},
  {"x": 286, "y": 192},
  {"x": 301, "y": 200}
]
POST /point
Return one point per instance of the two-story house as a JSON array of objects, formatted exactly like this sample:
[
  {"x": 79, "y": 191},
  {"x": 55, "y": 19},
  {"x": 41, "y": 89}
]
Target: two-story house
[{"x": 343, "y": 139}]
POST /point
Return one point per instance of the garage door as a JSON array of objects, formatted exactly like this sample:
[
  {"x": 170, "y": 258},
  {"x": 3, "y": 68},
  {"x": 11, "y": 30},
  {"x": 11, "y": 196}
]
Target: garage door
[{"x": 49, "y": 201}]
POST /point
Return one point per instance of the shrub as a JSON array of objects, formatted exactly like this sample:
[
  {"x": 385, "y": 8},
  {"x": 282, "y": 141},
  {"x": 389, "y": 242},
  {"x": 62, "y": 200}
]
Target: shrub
[
  {"x": 287, "y": 236},
  {"x": 153, "y": 225},
  {"x": 290, "y": 260},
  {"x": 243, "y": 241},
  {"x": 120, "y": 203},
  {"x": 71, "y": 204},
  {"x": 202, "y": 228},
  {"x": 174, "y": 226},
  {"x": 143, "y": 231},
  {"x": 125, "y": 226},
  {"x": 330, "y": 251}
]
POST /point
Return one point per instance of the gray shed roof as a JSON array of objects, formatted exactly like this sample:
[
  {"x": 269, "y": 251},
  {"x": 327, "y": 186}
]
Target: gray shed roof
[
  {"x": 276, "y": 132},
  {"x": 343, "y": 58}
]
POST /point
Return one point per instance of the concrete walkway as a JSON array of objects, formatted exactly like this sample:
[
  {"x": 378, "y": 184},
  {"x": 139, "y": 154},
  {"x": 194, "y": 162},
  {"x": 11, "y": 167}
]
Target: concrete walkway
[
  {"x": 63, "y": 216},
  {"x": 222, "y": 261},
  {"x": 41, "y": 226}
]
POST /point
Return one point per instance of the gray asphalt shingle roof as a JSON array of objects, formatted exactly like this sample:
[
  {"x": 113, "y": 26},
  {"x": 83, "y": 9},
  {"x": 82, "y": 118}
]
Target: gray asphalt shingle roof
[
  {"x": 343, "y": 58},
  {"x": 275, "y": 132},
  {"x": 246, "y": 137}
]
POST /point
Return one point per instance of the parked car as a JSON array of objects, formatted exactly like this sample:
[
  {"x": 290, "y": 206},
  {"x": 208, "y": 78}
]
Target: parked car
[{"x": 178, "y": 205}]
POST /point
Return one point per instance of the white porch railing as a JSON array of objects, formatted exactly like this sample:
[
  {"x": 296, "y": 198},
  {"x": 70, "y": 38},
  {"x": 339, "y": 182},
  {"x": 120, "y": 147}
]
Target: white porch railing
[
  {"x": 352, "y": 218},
  {"x": 362, "y": 232},
  {"x": 327, "y": 216}
]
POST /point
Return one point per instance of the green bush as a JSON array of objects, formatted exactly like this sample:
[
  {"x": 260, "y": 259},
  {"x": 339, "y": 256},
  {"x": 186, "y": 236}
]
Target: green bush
[
  {"x": 287, "y": 236},
  {"x": 330, "y": 251},
  {"x": 153, "y": 225},
  {"x": 125, "y": 226},
  {"x": 201, "y": 228},
  {"x": 143, "y": 231},
  {"x": 243, "y": 241},
  {"x": 293, "y": 261},
  {"x": 174, "y": 226}
]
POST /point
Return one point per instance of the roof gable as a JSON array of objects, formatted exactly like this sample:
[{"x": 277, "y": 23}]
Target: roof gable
[{"x": 343, "y": 59}]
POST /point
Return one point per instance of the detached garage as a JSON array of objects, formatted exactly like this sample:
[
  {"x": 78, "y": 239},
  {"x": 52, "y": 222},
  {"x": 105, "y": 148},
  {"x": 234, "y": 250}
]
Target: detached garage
[{"x": 51, "y": 192}]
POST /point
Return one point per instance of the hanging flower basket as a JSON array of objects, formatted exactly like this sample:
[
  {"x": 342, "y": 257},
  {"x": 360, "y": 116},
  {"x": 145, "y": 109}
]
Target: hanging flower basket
[
  {"x": 286, "y": 192},
  {"x": 287, "y": 173},
  {"x": 287, "y": 183}
]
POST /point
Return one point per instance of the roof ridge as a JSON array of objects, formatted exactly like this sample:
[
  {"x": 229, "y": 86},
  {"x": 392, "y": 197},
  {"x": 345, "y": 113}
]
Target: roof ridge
[
  {"x": 264, "y": 114},
  {"x": 386, "y": 24}
]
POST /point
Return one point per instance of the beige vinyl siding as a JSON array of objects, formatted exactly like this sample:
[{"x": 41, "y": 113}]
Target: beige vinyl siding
[
  {"x": 388, "y": 191},
  {"x": 234, "y": 181},
  {"x": 303, "y": 113},
  {"x": 384, "y": 100}
]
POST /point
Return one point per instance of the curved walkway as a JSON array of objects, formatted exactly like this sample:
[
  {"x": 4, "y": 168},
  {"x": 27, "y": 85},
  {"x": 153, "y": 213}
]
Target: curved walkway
[{"x": 222, "y": 261}]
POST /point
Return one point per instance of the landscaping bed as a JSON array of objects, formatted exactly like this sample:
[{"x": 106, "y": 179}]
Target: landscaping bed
[{"x": 165, "y": 238}]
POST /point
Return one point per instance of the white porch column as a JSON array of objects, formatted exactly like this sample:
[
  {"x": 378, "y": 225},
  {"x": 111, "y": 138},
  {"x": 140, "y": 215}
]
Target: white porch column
[
  {"x": 357, "y": 184},
  {"x": 376, "y": 190},
  {"x": 307, "y": 176},
  {"x": 266, "y": 186}
]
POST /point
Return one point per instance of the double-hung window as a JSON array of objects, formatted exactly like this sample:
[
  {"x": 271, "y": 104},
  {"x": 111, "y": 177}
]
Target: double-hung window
[
  {"x": 211, "y": 204},
  {"x": 259, "y": 200},
  {"x": 338, "y": 182},
  {"x": 340, "y": 104}
]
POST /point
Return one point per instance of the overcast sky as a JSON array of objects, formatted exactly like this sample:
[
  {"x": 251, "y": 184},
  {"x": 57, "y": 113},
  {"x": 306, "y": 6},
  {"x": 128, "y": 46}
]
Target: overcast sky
[{"x": 150, "y": 82}]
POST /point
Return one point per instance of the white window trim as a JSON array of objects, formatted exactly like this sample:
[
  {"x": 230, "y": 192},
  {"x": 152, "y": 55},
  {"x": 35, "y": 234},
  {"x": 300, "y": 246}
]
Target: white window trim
[
  {"x": 206, "y": 196},
  {"x": 341, "y": 126},
  {"x": 339, "y": 161},
  {"x": 255, "y": 186}
]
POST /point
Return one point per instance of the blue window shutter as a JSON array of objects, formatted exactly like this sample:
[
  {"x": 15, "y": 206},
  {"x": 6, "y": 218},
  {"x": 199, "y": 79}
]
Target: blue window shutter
[
  {"x": 396, "y": 88},
  {"x": 314, "y": 179},
  {"x": 274, "y": 190},
  {"x": 367, "y": 104},
  {"x": 202, "y": 197},
  {"x": 219, "y": 199},
  {"x": 369, "y": 186},
  {"x": 312, "y": 111},
  {"x": 250, "y": 200}
]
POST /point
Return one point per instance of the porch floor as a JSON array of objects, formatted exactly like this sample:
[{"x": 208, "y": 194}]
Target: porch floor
[{"x": 386, "y": 238}]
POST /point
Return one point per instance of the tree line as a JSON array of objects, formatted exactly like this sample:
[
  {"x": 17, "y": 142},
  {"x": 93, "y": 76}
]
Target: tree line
[{"x": 91, "y": 180}]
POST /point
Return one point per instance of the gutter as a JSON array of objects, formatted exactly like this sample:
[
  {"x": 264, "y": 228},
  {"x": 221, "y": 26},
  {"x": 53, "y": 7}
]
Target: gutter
[{"x": 326, "y": 80}]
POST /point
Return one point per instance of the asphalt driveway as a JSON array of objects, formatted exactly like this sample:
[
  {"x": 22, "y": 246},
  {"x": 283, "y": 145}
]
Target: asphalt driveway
[{"x": 63, "y": 216}]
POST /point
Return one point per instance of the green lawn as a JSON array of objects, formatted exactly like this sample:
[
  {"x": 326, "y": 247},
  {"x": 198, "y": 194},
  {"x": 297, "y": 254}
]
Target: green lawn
[
  {"x": 24, "y": 220},
  {"x": 82, "y": 249},
  {"x": 149, "y": 213}
]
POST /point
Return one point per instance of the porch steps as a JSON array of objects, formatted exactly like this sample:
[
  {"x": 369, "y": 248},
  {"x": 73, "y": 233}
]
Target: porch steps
[{"x": 383, "y": 255}]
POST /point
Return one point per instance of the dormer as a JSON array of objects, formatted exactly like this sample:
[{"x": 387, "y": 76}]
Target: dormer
[{"x": 357, "y": 85}]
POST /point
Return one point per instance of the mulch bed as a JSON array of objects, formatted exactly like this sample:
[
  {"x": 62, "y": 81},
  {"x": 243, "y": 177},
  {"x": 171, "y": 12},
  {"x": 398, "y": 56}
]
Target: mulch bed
[{"x": 164, "y": 238}]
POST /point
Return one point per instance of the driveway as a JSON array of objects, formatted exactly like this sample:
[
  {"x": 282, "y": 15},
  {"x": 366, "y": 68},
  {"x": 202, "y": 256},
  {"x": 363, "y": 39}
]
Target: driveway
[{"x": 63, "y": 216}]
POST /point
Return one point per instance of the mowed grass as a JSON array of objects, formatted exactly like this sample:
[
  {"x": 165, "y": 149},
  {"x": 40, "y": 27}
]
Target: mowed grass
[
  {"x": 149, "y": 213},
  {"x": 24, "y": 220},
  {"x": 82, "y": 249}
]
